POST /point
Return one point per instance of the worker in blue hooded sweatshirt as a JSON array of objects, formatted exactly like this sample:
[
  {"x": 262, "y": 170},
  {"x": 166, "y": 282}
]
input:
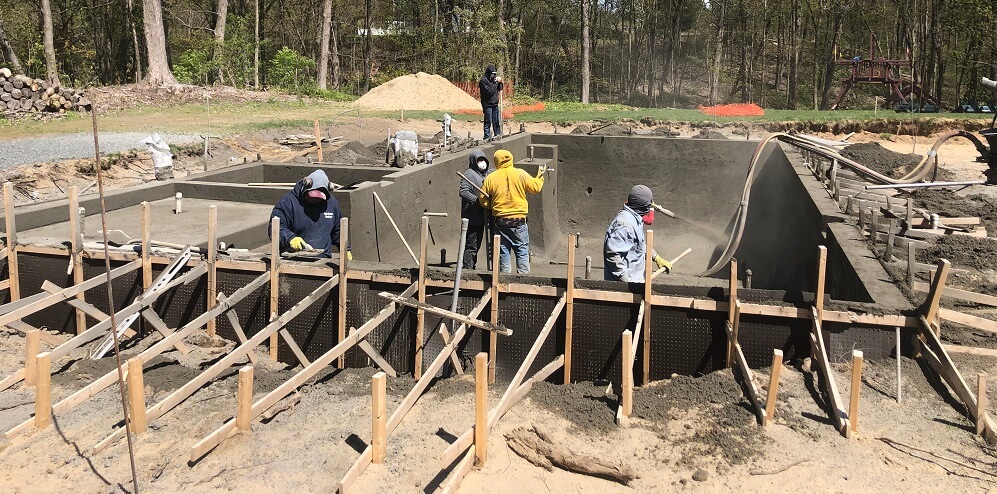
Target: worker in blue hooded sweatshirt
[
  {"x": 470, "y": 208},
  {"x": 625, "y": 244},
  {"x": 309, "y": 216}
]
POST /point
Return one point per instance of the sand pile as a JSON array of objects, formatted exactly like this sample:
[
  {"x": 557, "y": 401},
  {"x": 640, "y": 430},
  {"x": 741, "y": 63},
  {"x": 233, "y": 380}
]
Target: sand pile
[{"x": 420, "y": 91}]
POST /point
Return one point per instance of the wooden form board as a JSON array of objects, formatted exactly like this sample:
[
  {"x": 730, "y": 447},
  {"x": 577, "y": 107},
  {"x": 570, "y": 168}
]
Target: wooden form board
[
  {"x": 420, "y": 315},
  {"x": 13, "y": 273},
  {"x": 413, "y": 395},
  {"x": 344, "y": 253},
  {"x": 465, "y": 440},
  {"x": 648, "y": 262},
  {"x": 110, "y": 377},
  {"x": 211, "y": 441},
  {"x": 235, "y": 355},
  {"x": 76, "y": 256},
  {"x": 839, "y": 415},
  {"x": 461, "y": 318},
  {"x": 754, "y": 396},
  {"x": 569, "y": 307},
  {"x": 938, "y": 358}
]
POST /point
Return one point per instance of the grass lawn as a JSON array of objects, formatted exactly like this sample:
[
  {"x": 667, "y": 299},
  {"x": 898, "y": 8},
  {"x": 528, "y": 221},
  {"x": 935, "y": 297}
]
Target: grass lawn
[{"x": 238, "y": 118}]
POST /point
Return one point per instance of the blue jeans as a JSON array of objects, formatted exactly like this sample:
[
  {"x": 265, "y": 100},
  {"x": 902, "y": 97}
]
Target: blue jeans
[
  {"x": 516, "y": 240},
  {"x": 492, "y": 116}
]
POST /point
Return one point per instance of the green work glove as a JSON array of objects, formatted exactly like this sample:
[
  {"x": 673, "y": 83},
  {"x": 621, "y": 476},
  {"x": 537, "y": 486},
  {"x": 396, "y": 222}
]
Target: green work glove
[
  {"x": 298, "y": 243},
  {"x": 349, "y": 256},
  {"x": 663, "y": 263}
]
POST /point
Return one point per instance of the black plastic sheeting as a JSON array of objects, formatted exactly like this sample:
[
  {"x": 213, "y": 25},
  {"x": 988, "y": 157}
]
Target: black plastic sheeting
[{"x": 683, "y": 341}]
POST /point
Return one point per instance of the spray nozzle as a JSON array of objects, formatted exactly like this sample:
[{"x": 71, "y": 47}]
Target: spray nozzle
[{"x": 663, "y": 210}]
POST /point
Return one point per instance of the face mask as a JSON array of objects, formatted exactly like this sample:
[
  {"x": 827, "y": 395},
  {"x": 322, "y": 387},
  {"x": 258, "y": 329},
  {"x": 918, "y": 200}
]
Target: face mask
[
  {"x": 482, "y": 165},
  {"x": 648, "y": 217}
]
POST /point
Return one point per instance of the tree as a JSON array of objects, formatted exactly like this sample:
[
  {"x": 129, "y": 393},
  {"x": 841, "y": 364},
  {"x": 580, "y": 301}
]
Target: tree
[
  {"x": 222, "y": 16},
  {"x": 8, "y": 51},
  {"x": 136, "y": 52},
  {"x": 51, "y": 66},
  {"x": 159, "y": 73},
  {"x": 368, "y": 49},
  {"x": 323, "y": 59},
  {"x": 586, "y": 46}
]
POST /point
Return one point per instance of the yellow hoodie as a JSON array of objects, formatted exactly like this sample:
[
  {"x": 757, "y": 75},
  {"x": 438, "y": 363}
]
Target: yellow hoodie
[{"x": 507, "y": 187}]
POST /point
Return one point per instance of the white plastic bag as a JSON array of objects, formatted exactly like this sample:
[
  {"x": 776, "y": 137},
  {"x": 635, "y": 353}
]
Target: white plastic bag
[{"x": 162, "y": 158}]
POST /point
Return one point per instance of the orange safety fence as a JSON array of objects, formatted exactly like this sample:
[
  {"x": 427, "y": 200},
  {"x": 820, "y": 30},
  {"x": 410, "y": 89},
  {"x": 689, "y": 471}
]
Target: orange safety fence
[
  {"x": 508, "y": 111},
  {"x": 471, "y": 87},
  {"x": 734, "y": 110}
]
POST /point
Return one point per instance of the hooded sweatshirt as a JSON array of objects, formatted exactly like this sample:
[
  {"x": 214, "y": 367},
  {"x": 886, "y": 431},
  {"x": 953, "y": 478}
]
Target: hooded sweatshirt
[
  {"x": 507, "y": 187},
  {"x": 316, "y": 224},
  {"x": 489, "y": 89},
  {"x": 469, "y": 207},
  {"x": 623, "y": 250}
]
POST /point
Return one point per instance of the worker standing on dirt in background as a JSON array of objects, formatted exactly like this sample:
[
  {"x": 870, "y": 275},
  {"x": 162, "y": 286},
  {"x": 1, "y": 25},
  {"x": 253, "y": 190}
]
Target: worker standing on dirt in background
[
  {"x": 490, "y": 87},
  {"x": 470, "y": 208},
  {"x": 506, "y": 188},
  {"x": 309, "y": 217},
  {"x": 623, "y": 251}
]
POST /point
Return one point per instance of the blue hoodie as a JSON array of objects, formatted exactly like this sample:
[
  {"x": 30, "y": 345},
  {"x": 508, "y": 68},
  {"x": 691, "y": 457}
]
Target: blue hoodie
[{"x": 317, "y": 224}]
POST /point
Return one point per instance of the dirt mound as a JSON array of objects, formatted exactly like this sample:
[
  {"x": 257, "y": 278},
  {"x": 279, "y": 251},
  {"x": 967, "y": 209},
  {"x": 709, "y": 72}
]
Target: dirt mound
[
  {"x": 948, "y": 203},
  {"x": 612, "y": 130},
  {"x": 420, "y": 91},
  {"x": 880, "y": 159},
  {"x": 979, "y": 253},
  {"x": 709, "y": 134},
  {"x": 585, "y": 405},
  {"x": 355, "y": 153}
]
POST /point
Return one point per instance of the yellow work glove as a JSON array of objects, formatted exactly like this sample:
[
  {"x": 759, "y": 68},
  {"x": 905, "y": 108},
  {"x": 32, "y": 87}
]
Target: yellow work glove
[
  {"x": 349, "y": 256},
  {"x": 298, "y": 243},
  {"x": 663, "y": 263}
]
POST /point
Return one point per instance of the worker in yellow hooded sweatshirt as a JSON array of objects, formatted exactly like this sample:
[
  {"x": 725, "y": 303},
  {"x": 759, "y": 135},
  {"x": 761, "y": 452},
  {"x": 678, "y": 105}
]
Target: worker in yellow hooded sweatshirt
[{"x": 506, "y": 190}]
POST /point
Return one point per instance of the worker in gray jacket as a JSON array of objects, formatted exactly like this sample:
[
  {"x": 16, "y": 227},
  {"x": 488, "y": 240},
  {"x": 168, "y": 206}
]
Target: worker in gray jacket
[
  {"x": 625, "y": 245},
  {"x": 470, "y": 208}
]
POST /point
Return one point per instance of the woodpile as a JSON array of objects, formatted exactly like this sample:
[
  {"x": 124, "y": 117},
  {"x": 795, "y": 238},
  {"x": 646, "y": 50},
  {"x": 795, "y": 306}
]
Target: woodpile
[{"x": 20, "y": 93}]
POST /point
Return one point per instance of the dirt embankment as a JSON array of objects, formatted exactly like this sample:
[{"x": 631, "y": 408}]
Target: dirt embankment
[
  {"x": 882, "y": 160},
  {"x": 948, "y": 203}
]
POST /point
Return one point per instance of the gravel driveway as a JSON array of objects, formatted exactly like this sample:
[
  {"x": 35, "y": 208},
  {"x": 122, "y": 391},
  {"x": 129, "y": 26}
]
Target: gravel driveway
[{"x": 74, "y": 146}]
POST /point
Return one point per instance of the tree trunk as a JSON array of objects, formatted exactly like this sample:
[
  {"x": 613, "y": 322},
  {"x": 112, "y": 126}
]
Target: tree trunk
[
  {"x": 136, "y": 51},
  {"x": 368, "y": 54},
  {"x": 586, "y": 65},
  {"x": 718, "y": 52},
  {"x": 794, "y": 55},
  {"x": 256, "y": 45},
  {"x": 51, "y": 67},
  {"x": 8, "y": 51},
  {"x": 323, "y": 57},
  {"x": 220, "y": 39},
  {"x": 334, "y": 57},
  {"x": 155, "y": 45},
  {"x": 825, "y": 99}
]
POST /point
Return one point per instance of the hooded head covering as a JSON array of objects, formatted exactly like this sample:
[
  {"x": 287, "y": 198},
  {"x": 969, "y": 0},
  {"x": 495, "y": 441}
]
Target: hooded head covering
[
  {"x": 317, "y": 182},
  {"x": 503, "y": 158},
  {"x": 490, "y": 71},
  {"x": 640, "y": 199},
  {"x": 472, "y": 160}
]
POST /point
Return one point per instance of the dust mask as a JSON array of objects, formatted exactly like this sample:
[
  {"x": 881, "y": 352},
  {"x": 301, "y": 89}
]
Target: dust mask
[{"x": 482, "y": 165}]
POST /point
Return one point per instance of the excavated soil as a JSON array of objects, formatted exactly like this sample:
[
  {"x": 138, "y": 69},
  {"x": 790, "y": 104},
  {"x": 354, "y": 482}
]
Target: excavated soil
[
  {"x": 355, "y": 153},
  {"x": 882, "y": 160},
  {"x": 585, "y": 405},
  {"x": 962, "y": 250},
  {"x": 709, "y": 134},
  {"x": 948, "y": 203},
  {"x": 420, "y": 91}
]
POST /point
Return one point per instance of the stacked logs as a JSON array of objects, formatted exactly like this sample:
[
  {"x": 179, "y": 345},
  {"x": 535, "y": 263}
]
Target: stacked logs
[{"x": 20, "y": 93}]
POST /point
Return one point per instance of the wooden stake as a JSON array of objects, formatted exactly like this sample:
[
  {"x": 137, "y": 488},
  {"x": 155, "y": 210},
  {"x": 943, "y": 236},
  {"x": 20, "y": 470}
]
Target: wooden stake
[
  {"x": 344, "y": 249},
  {"x": 569, "y": 321},
  {"x": 935, "y": 293},
  {"x": 875, "y": 224},
  {"x": 379, "y": 416},
  {"x": 890, "y": 239},
  {"x": 910, "y": 212},
  {"x": 32, "y": 346},
  {"x": 731, "y": 309},
  {"x": 244, "y": 400},
  {"x": 492, "y": 337},
  {"x": 421, "y": 313},
  {"x": 481, "y": 407},
  {"x": 627, "y": 384},
  {"x": 899, "y": 382},
  {"x": 735, "y": 324},
  {"x": 773, "y": 391},
  {"x": 648, "y": 278},
  {"x": 274, "y": 280},
  {"x": 146, "y": 246},
  {"x": 76, "y": 247},
  {"x": 136, "y": 396},
  {"x": 819, "y": 289},
  {"x": 910, "y": 264},
  {"x": 212, "y": 274},
  {"x": 853, "y": 404},
  {"x": 981, "y": 402},
  {"x": 318, "y": 141},
  {"x": 43, "y": 389},
  {"x": 12, "y": 268}
]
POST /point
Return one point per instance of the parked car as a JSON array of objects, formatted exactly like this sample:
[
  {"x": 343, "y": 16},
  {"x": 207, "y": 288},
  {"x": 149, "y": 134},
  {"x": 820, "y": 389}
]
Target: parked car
[
  {"x": 965, "y": 109},
  {"x": 929, "y": 108}
]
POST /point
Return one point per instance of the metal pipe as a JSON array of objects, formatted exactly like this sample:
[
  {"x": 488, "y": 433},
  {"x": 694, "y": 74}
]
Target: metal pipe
[{"x": 923, "y": 185}]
